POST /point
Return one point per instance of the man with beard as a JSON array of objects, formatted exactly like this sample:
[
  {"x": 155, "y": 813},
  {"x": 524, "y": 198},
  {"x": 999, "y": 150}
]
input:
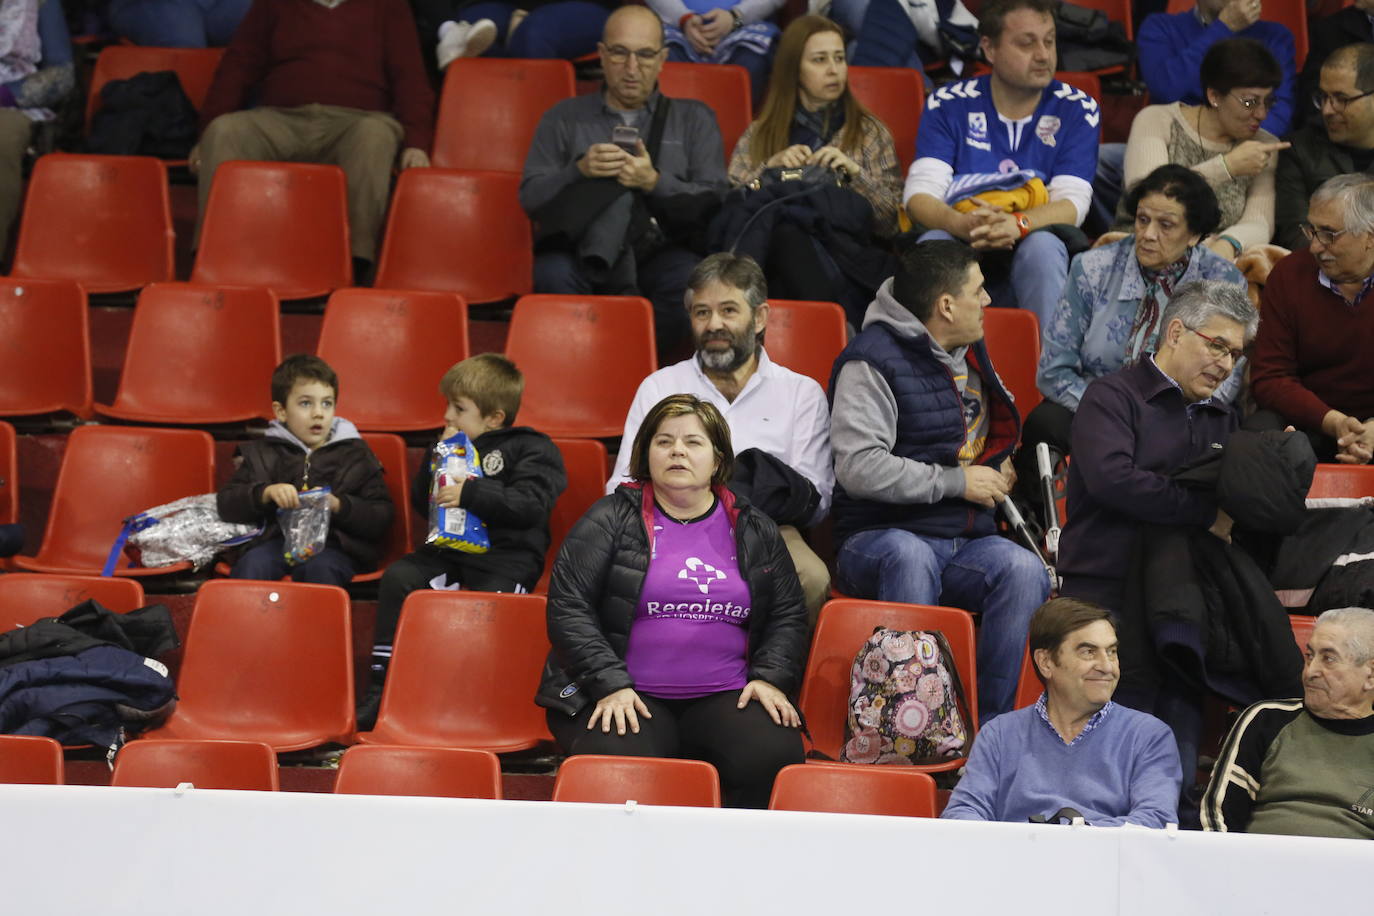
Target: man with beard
[{"x": 768, "y": 407}]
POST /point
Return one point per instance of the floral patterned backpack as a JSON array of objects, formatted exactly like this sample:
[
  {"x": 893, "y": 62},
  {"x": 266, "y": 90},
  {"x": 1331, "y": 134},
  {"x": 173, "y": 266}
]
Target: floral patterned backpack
[{"x": 906, "y": 703}]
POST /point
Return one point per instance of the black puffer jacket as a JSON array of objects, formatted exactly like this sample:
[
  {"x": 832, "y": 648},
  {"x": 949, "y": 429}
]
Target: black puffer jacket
[{"x": 597, "y": 580}]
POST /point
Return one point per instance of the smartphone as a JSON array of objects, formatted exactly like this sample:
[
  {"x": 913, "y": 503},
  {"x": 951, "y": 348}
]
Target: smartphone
[{"x": 627, "y": 138}]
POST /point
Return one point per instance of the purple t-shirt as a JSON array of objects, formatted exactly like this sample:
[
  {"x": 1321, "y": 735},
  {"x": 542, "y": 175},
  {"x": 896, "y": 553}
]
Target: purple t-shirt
[{"x": 690, "y": 633}]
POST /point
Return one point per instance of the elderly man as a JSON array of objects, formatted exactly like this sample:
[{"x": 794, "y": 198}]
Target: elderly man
[
  {"x": 1341, "y": 141},
  {"x": 1018, "y": 134},
  {"x": 333, "y": 81},
  {"x": 1302, "y": 767},
  {"x": 1074, "y": 748},
  {"x": 923, "y": 429},
  {"x": 604, "y": 170},
  {"x": 767, "y": 406},
  {"x": 1311, "y": 359},
  {"x": 1172, "y": 46}
]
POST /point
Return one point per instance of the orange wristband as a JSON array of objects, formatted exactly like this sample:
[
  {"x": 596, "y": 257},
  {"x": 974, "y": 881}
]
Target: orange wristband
[{"x": 1022, "y": 223}]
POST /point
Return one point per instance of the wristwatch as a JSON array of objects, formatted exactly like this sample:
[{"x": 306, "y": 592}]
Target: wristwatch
[
  {"x": 739, "y": 20},
  {"x": 1022, "y": 223}
]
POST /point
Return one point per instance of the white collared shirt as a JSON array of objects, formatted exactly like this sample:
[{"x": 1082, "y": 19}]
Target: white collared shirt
[{"x": 781, "y": 412}]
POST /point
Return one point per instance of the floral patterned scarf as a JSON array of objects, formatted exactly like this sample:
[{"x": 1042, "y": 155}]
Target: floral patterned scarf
[
  {"x": 20, "y": 49},
  {"x": 1159, "y": 287}
]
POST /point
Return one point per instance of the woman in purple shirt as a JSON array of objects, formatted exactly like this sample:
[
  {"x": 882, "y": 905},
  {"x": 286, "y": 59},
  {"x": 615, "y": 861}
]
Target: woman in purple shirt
[{"x": 676, "y": 617}]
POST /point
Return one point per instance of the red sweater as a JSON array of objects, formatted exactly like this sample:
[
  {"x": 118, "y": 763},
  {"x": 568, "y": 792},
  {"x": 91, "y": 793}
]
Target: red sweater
[
  {"x": 1313, "y": 350},
  {"x": 360, "y": 54}
]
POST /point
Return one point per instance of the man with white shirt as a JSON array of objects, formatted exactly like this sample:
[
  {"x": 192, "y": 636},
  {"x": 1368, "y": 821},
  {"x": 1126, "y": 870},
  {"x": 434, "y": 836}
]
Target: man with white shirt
[{"x": 768, "y": 407}]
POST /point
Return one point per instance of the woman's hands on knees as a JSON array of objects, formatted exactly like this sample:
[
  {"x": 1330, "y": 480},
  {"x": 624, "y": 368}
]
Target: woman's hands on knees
[
  {"x": 621, "y": 707},
  {"x": 773, "y": 700}
]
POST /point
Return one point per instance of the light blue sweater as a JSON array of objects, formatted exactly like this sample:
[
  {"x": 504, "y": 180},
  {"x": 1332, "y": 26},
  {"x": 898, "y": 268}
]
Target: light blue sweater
[{"x": 1125, "y": 770}]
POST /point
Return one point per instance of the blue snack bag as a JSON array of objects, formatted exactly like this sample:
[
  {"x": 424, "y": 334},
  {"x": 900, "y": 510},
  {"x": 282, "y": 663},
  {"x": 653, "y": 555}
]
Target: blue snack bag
[{"x": 457, "y": 529}]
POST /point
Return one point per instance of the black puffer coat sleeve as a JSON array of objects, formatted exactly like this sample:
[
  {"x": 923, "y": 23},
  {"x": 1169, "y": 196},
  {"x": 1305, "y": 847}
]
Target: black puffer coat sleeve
[{"x": 779, "y": 653}]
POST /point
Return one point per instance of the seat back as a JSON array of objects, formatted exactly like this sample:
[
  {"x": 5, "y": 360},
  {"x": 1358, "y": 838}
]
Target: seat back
[
  {"x": 456, "y": 231},
  {"x": 1118, "y": 11},
  {"x": 9, "y": 475},
  {"x": 1028, "y": 686},
  {"x": 282, "y": 225},
  {"x": 1302, "y": 625},
  {"x": 194, "y": 67},
  {"x": 199, "y": 355},
  {"x": 842, "y": 628},
  {"x": 1013, "y": 342},
  {"x": 441, "y": 772},
  {"x": 585, "y": 461},
  {"x": 840, "y": 788},
  {"x": 604, "y": 779},
  {"x": 723, "y": 87},
  {"x": 103, "y": 221},
  {"x": 164, "y": 764},
  {"x": 31, "y": 760},
  {"x": 45, "y": 348},
  {"x": 489, "y": 108},
  {"x": 266, "y": 661},
  {"x": 805, "y": 336},
  {"x": 26, "y": 597},
  {"x": 391, "y": 452},
  {"x": 896, "y": 95},
  {"x": 464, "y": 672},
  {"x": 583, "y": 358},
  {"x": 109, "y": 473},
  {"x": 392, "y": 347},
  {"x": 1349, "y": 481}
]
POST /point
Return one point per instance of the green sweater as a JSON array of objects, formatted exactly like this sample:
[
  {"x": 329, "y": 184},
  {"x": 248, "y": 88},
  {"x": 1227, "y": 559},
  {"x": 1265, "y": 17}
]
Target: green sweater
[{"x": 1283, "y": 770}]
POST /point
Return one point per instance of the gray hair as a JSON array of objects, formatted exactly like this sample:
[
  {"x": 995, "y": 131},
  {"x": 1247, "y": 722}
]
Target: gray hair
[
  {"x": 1199, "y": 301},
  {"x": 1355, "y": 194},
  {"x": 1359, "y": 630},
  {"x": 737, "y": 270}
]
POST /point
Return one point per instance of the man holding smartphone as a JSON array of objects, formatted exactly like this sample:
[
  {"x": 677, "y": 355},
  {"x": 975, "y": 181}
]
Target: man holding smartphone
[{"x": 592, "y": 236}]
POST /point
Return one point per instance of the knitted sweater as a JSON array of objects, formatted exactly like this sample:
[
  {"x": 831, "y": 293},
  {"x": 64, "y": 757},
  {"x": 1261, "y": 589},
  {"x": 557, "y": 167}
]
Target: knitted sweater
[{"x": 1125, "y": 769}]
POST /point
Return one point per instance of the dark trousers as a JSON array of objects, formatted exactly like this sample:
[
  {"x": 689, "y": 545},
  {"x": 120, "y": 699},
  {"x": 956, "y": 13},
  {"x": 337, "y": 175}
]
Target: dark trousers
[
  {"x": 267, "y": 561},
  {"x": 415, "y": 571},
  {"x": 744, "y": 745},
  {"x": 1323, "y": 446}
]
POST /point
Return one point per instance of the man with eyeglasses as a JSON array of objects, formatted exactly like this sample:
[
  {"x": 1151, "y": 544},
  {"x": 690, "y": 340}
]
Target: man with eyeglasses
[
  {"x": 1172, "y": 46},
  {"x": 1312, "y": 357},
  {"x": 605, "y": 169},
  {"x": 1347, "y": 26},
  {"x": 1339, "y": 142}
]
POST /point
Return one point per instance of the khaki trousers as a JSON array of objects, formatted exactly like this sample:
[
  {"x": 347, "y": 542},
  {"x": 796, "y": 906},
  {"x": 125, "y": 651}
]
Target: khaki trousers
[
  {"x": 811, "y": 570},
  {"x": 362, "y": 143},
  {"x": 14, "y": 140}
]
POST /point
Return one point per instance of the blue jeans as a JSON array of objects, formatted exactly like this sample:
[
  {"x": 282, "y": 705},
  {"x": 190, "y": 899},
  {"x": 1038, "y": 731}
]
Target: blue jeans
[
  {"x": 178, "y": 23},
  {"x": 567, "y": 29},
  {"x": 989, "y": 575},
  {"x": 1039, "y": 271},
  {"x": 331, "y": 566}
]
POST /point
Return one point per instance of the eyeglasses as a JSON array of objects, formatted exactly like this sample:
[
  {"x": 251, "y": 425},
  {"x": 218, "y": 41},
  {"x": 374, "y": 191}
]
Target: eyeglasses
[
  {"x": 1338, "y": 102},
  {"x": 1326, "y": 236},
  {"x": 620, "y": 54},
  {"x": 1250, "y": 103},
  {"x": 1218, "y": 348}
]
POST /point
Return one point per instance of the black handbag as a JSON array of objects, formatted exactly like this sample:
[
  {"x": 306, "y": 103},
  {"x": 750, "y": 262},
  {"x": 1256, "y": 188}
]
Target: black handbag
[{"x": 800, "y": 178}]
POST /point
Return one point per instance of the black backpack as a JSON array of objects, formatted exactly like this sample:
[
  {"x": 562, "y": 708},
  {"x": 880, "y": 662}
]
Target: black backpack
[{"x": 148, "y": 114}]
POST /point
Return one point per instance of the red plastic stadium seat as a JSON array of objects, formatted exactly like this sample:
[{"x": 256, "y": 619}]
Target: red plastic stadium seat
[
  {"x": 440, "y": 772},
  {"x": 108, "y": 474},
  {"x": 1350, "y": 481},
  {"x": 464, "y": 673},
  {"x": 723, "y": 87},
  {"x": 390, "y": 349},
  {"x": 266, "y": 661},
  {"x": 103, "y": 221},
  {"x": 194, "y": 67},
  {"x": 489, "y": 108},
  {"x": 31, "y": 760},
  {"x": 45, "y": 349},
  {"x": 805, "y": 336},
  {"x": 585, "y": 461},
  {"x": 611, "y": 780},
  {"x": 391, "y": 452},
  {"x": 461, "y": 232},
  {"x": 843, "y": 789},
  {"x": 843, "y": 626},
  {"x": 1302, "y": 625},
  {"x": 583, "y": 358},
  {"x": 9, "y": 475},
  {"x": 1028, "y": 686},
  {"x": 282, "y": 225},
  {"x": 159, "y": 764},
  {"x": 26, "y": 597},
  {"x": 1013, "y": 341},
  {"x": 896, "y": 96},
  {"x": 199, "y": 355}
]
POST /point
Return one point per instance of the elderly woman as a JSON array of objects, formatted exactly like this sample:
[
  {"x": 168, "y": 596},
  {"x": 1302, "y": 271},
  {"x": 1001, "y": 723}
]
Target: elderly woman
[
  {"x": 811, "y": 118},
  {"x": 1221, "y": 140},
  {"x": 1110, "y": 313},
  {"x": 676, "y": 617}
]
